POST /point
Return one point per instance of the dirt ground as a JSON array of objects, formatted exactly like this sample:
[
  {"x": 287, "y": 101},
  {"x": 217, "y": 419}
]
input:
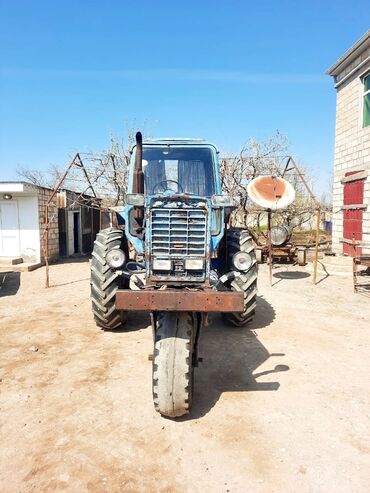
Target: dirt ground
[{"x": 283, "y": 407}]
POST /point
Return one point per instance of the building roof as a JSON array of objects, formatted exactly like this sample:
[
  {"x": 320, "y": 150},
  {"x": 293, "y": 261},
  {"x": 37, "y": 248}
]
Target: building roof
[
  {"x": 17, "y": 186},
  {"x": 351, "y": 55},
  {"x": 26, "y": 187}
]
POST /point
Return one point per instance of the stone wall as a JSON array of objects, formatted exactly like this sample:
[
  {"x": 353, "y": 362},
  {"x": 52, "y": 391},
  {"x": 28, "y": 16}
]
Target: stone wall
[
  {"x": 43, "y": 196},
  {"x": 352, "y": 151}
]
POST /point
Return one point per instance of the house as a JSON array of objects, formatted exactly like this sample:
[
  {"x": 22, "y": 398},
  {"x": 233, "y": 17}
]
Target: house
[
  {"x": 351, "y": 188},
  {"x": 74, "y": 221}
]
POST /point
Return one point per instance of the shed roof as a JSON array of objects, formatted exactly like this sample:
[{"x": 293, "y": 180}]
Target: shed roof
[
  {"x": 26, "y": 187},
  {"x": 18, "y": 186}
]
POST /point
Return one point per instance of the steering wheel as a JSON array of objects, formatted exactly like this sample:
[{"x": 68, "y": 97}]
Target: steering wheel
[{"x": 163, "y": 183}]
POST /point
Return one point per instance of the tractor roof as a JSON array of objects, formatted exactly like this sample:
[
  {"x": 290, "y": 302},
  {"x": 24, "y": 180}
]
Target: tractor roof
[{"x": 178, "y": 141}]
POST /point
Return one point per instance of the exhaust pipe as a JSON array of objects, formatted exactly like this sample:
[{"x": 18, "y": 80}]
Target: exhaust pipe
[
  {"x": 138, "y": 178},
  {"x": 138, "y": 183}
]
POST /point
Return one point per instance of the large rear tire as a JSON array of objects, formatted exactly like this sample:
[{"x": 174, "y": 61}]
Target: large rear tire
[
  {"x": 105, "y": 281},
  {"x": 172, "y": 363},
  {"x": 239, "y": 240}
]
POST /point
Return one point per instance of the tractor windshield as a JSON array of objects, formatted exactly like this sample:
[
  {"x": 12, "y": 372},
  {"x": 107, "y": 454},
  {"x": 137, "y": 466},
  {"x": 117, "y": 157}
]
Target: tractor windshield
[{"x": 178, "y": 170}]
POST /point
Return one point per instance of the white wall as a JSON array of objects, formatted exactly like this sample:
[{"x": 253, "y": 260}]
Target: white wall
[
  {"x": 352, "y": 152},
  {"x": 28, "y": 226}
]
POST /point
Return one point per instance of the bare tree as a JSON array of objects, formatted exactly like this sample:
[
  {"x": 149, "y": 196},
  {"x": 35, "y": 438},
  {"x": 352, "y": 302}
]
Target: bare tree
[
  {"x": 255, "y": 158},
  {"x": 268, "y": 157},
  {"x": 36, "y": 177},
  {"x": 107, "y": 169}
]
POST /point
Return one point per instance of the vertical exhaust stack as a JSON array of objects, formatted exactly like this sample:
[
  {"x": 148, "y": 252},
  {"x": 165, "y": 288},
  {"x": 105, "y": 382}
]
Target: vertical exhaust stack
[
  {"x": 138, "y": 178},
  {"x": 138, "y": 182}
]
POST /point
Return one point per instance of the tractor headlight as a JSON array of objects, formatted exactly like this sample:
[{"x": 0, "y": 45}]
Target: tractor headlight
[
  {"x": 162, "y": 264},
  {"x": 242, "y": 261},
  {"x": 115, "y": 258},
  {"x": 137, "y": 199},
  {"x": 194, "y": 264},
  {"x": 222, "y": 201}
]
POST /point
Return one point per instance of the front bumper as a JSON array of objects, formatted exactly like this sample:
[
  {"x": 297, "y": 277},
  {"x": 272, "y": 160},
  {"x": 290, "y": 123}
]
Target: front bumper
[{"x": 179, "y": 301}]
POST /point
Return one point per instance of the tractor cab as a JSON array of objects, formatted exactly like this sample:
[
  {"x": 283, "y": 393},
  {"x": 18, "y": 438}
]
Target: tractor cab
[{"x": 177, "y": 220}]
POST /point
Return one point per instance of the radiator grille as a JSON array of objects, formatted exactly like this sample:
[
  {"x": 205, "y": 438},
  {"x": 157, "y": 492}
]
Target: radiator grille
[{"x": 178, "y": 232}]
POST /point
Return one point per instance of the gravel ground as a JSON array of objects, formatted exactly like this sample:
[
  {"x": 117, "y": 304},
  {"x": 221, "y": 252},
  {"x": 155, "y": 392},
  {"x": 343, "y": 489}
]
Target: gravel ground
[{"x": 282, "y": 407}]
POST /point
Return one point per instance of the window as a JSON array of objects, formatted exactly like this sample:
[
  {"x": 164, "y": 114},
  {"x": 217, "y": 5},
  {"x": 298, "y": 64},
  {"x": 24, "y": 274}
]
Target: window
[
  {"x": 186, "y": 170},
  {"x": 366, "y": 121}
]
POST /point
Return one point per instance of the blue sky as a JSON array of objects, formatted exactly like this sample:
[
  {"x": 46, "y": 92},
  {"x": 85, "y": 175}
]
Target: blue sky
[{"x": 73, "y": 72}]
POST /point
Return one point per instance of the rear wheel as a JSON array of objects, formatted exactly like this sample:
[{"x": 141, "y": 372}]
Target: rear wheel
[
  {"x": 105, "y": 281},
  {"x": 239, "y": 240},
  {"x": 172, "y": 363}
]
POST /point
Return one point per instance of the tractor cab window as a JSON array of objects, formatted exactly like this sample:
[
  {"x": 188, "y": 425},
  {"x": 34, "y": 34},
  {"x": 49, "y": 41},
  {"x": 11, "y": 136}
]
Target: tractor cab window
[{"x": 178, "y": 170}]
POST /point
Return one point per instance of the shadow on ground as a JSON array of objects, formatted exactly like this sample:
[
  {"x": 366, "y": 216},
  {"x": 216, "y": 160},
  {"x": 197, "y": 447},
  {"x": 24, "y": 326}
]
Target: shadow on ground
[
  {"x": 230, "y": 357},
  {"x": 9, "y": 283},
  {"x": 134, "y": 321},
  {"x": 291, "y": 274}
]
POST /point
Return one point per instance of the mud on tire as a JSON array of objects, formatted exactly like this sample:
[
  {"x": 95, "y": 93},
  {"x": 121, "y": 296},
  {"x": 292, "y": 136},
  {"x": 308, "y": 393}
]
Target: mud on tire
[
  {"x": 172, "y": 363},
  {"x": 240, "y": 240},
  {"x": 105, "y": 281}
]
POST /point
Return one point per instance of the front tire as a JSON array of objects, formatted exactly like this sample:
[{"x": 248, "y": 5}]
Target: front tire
[
  {"x": 172, "y": 363},
  {"x": 239, "y": 240},
  {"x": 105, "y": 281}
]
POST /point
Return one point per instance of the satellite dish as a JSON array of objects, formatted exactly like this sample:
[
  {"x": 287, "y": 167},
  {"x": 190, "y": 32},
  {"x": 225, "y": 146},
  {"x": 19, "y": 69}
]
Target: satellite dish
[{"x": 271, "y": 192}]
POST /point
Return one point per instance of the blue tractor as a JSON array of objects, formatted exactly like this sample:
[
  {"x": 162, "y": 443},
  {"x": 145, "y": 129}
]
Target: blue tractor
[{"x": 174, "y": 256}]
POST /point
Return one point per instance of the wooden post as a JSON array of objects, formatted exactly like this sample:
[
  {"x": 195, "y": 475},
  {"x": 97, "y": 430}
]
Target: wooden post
[
  {"x": 291, "y": 160},
  {"x": 318, "y": 218},
  {"x": 269, "y": 243},
  {"x": 46, "y": 249},
  {"x": 354, "y": 263}
]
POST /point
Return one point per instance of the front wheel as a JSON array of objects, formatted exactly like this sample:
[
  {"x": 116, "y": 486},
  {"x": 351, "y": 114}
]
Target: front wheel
[
  {"x": 239, "y": 240},
  {"x": 105, "y": 281},
  {"x": 173, "y": 363}
]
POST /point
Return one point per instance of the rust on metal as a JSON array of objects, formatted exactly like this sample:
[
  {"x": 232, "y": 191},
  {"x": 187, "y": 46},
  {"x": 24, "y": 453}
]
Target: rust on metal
[
  {"x": 177, "y": 301},
  {"x": 269, "y": 188},
  {"x": 271, "y": 192}
]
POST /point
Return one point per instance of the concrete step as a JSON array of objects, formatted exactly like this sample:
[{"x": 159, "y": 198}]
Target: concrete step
[{"x": 10, "y": 260}]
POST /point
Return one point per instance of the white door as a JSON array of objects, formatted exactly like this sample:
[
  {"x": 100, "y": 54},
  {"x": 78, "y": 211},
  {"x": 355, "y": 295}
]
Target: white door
[{"x": 9, "y": 229}]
